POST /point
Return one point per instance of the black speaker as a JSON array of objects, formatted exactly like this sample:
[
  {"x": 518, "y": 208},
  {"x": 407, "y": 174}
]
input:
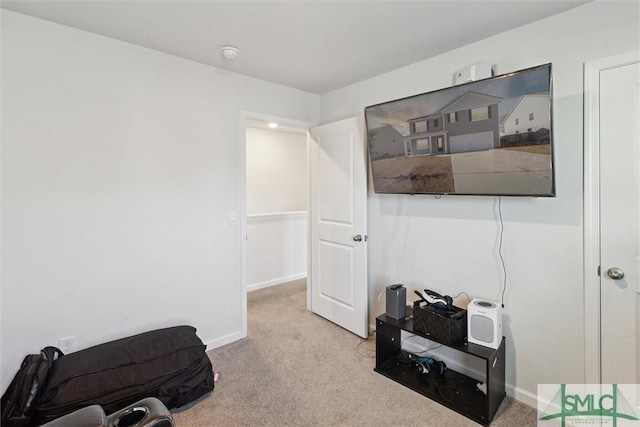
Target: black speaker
[{"x": 396, "y": 301}]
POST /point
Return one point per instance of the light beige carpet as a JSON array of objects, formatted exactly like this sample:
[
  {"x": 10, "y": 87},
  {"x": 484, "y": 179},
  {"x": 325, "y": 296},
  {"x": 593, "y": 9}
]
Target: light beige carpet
[{"x": 297, "y": 369}]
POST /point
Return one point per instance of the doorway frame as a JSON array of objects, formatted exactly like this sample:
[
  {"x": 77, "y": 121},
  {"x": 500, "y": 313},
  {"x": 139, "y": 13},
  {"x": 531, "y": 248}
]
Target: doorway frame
[
  {"x": 245, "y": 117},
  {"x": 591, "y": 212}
]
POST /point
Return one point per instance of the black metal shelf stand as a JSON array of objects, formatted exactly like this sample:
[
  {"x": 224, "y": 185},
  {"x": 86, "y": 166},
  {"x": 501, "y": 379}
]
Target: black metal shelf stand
[{"x": 455, "y": 390}]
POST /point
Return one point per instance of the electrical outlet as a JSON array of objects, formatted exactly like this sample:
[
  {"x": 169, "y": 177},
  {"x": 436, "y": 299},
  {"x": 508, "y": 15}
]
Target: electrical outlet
[{"x": 67, "y": 345}]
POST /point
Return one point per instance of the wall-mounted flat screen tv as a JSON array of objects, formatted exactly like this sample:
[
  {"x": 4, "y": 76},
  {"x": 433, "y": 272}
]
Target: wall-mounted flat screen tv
[{"x": 488, "y": 137}]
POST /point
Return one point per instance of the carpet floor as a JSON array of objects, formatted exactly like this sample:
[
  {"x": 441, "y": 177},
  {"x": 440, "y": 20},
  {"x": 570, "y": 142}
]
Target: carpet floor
[{"x": 298, "y": 369}]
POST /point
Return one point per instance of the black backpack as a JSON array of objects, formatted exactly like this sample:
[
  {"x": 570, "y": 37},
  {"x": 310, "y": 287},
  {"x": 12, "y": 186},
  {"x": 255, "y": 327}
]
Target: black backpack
[{"x": 20, "y": 399}]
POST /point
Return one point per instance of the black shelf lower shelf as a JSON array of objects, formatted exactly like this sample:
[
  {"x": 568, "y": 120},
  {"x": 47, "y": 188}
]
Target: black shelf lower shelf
[{"x": 454, "y": 390}]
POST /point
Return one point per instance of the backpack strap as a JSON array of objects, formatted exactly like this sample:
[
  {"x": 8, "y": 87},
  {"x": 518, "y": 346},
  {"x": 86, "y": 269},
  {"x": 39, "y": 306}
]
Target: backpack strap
[{"x": 51, "y": 353}]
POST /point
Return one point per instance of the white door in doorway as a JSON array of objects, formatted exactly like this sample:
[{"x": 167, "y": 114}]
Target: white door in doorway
[
  {"x": 619, "y": 223},
  {"x": 338, "y": 223},
  {"x": 612, "y": 217}
]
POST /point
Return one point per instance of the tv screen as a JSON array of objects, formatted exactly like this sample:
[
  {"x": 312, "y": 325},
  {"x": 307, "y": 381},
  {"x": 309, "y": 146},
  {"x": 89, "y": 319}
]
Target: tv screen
[{"x": 487, "y": 137}]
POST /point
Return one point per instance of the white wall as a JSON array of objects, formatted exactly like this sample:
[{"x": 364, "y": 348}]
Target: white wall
[
  {"x": 120, "y": 166},
  {"x": 276, "y": 248},
  {"x": 277, "y": 199},
  {"x": 451, "y": 244},
  {"x": 276, "y": 171}
]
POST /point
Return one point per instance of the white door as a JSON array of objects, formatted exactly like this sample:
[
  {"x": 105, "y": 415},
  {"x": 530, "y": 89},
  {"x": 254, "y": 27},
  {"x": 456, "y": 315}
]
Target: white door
[
  {"x": 338, "y": 222},
  {"x": 619, "y": 223}
]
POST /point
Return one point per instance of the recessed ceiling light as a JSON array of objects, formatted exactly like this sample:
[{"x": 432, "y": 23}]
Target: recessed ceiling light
[
  {"x": 230, "y": 52},
  {"x": 273, "y": 125}
]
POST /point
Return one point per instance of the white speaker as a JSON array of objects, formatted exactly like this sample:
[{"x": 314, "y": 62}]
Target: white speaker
[
  {"x": 473, "y": 72},
  {"x": 484, "y": 323}
]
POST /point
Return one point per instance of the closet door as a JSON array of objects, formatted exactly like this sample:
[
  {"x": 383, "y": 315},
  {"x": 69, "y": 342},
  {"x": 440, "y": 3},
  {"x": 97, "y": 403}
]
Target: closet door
[{"x": 619, "y": 223}]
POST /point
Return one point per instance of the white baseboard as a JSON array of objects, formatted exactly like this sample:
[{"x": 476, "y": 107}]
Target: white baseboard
[
  {"x": 523, "y": 396},
  {"x": 278, "y": 281},
  {"x": 224, "y": 340}
]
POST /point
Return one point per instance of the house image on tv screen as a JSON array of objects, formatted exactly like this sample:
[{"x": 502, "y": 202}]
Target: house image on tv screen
[
  {"x": 386, "y": 141},
  {"x": 470, "y": 122},
  {"x": 487, "y": 137},
  {"x": 527, "y": 122}
]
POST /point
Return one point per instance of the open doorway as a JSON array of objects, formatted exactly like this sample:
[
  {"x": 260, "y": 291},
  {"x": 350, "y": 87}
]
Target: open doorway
[
  {"x": 277, "y": 193},
  {"x": 275, "y": 203}
]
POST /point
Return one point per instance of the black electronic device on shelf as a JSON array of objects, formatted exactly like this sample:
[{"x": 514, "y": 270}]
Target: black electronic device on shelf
[{"x": 396, "y": 301}]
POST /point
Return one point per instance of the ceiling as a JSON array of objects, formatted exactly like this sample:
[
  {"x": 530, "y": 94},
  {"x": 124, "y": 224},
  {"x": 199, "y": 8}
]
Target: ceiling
[
  {"x": 313, "y": 45},
  {"x": 259, "y": 124}
]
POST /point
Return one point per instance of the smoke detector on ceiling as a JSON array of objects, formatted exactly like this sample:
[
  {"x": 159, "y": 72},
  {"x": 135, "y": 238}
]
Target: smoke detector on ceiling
[{"x": 230, "y": 52}]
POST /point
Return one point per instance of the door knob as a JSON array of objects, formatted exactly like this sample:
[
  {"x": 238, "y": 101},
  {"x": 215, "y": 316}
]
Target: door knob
[
  {"x": 357, "y": 238},
  {"x": 615, "y": 273}
]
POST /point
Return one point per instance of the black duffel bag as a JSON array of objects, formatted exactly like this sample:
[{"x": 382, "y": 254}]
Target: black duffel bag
[{"x": 170, "y": 364}]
